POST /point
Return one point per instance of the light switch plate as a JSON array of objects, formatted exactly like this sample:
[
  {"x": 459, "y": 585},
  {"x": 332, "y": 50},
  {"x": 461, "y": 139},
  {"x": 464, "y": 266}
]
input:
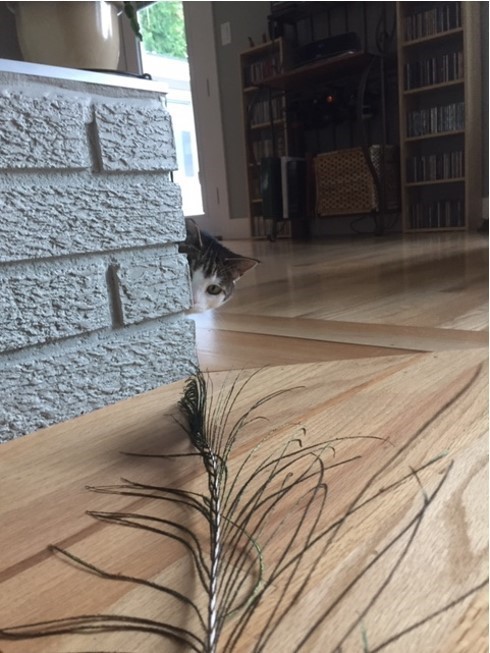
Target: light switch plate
[{"x": 225, "y": 33}]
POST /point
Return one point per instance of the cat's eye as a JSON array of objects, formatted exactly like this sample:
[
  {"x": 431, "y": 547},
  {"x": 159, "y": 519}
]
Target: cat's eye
[{"x": 213, "y": 289}]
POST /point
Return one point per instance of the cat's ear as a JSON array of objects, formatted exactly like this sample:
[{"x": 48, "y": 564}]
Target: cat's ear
[
  {"x": 240, "y": 264},
  {"x": 193, "y": 238}
]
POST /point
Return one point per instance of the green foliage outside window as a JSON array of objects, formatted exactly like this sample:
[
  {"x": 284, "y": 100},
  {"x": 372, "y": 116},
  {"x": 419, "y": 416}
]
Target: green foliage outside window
[{"x": 162, "y": 26}]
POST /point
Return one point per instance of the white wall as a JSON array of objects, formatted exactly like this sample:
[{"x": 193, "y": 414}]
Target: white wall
[{"x": 246, "y": 19}]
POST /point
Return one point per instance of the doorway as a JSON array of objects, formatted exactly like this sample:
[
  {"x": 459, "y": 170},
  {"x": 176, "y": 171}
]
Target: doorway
[
  {"x": 204, "y": 84},
  {"x": 164, "y": 56}
]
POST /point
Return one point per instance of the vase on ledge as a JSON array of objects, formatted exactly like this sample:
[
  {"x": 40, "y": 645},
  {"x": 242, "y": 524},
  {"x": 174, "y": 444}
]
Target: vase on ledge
[{"x": 70, "y": 34}]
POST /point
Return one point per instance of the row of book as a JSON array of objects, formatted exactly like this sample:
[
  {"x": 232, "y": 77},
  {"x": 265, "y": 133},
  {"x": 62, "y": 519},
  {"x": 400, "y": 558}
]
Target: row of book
[
  {"x": 255, "y": 187},
  {"x": 437, "y": 215},
  {"x": 256, "y": 72},
  {"x": 443, "y": 17},
  {"x": 433, "y": 167},
  {"x": 435, "y": 120},
  {"x": 434, "y": 70},
  {"x": 267, "y": 147},
  {"x": 266, "y": 111}
]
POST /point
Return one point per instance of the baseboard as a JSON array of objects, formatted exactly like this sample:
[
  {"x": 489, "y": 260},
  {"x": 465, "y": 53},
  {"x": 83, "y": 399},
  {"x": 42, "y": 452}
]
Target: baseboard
[{"x": 237, "y": 229}]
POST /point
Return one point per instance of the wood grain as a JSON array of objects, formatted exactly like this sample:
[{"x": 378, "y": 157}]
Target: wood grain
[
  {"x": 337, "y": 299},
  {"x": 400, "y": 574}
]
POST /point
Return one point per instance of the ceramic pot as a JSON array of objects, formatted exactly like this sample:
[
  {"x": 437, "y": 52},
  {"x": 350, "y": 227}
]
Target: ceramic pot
[{"x": 70, "y": 34}]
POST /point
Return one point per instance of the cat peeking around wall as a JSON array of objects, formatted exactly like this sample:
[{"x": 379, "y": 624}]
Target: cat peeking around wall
[{"x": 214, "y": 268}]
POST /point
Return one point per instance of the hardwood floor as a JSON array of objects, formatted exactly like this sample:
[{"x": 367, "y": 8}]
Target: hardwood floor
[
  {"x": 387, "y": 544},
  {"x": 350, "y": 298}
]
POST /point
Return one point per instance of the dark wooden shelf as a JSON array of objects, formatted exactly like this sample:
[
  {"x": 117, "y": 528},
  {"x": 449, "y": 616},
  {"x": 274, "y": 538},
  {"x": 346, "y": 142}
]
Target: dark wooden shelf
[
  {"x": 433, "y": 87},
  {"x": 426, "y": 229},
  {"x": 454, "y": 132},
  {"x": 432, "y": 182},
  {"x": 326, "y": 70},
  {"x": 269, "y": 124},
  {"x": 291, "y": 15},
  {"x": 440, "y": 36}
]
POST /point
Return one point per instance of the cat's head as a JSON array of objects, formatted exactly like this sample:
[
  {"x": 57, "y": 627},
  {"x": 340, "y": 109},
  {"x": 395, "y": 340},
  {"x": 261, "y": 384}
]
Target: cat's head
[{"x": 214, "y": 268}]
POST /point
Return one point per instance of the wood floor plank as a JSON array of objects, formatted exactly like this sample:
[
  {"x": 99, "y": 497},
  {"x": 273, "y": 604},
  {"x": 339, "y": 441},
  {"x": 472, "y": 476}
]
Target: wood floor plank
[
  {"x": 233, "y": 350},
  {"x": 369, "y": 334},
  {"x": 343, "y": 322},
  {"x": 392, "y": 548},
  {"x": 423, "y": 293}
]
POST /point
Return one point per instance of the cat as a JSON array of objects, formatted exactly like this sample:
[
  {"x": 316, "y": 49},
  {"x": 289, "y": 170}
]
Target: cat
[{"x": 214, "y": 268}]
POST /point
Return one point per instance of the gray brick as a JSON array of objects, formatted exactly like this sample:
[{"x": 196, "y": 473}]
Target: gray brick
[
  {"x": 43, "y": 132},
  {"x": 151, "y": 284},
  {"x": 46, "y": 302},
  {"x": 78, "y": 214},
  {"x": 135, "y": 137},
  {"x": 81, "y": 376}
]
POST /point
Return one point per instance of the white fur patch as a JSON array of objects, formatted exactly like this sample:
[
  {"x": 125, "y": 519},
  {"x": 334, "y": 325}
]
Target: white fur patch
[{"x": 202, "y": 300}]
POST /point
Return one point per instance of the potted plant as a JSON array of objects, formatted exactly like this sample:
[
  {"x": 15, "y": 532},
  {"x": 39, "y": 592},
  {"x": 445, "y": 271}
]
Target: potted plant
[{"x": 72, "y": 34}]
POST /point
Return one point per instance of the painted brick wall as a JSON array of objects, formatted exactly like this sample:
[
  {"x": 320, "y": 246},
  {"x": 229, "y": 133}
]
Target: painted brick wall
[{"x": 93, "y": 291}]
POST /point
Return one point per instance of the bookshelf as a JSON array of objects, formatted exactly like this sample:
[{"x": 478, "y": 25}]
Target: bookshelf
[
  {"x": 440, "y": 120},
  {"x": 272, "y": 129},
  {"x": 265, "y": 125},
  {"x": 334, "y": 76}
]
